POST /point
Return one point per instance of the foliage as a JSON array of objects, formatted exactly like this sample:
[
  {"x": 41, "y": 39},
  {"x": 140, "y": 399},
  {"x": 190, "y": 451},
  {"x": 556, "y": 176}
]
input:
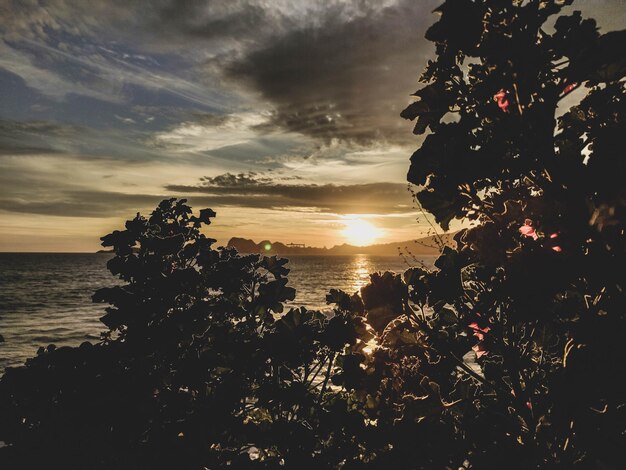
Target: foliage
[
  {"x": 536, "y": 286},
  {"x": 506, "y": 355},
  {"x": 195, "y": 366}
]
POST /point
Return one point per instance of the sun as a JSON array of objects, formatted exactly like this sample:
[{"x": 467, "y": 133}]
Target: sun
[{"x": 359, "y": 232}]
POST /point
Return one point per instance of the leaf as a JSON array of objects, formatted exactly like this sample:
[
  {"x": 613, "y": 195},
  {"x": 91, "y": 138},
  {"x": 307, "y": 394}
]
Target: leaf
[
  {"x": 206, "y": 215},
  {"x": 275, "y": 266},
  {"x": 116, "y": 295},
  {"x": 446, "y": 154},
  {"x": 121, "y": 241},
  {"x": 344, "y": 301},
  {"x": 446, "y": 316},
  {"x": 460, "y": 26},
  {"x": 433, "y": 104},
  {"x": 448, "y": 259},
  {"x": 165, "y": 245},
  {"x": 338, "y": 333},
  {"x": 592, "y": 57},
  {"x": 273, "y": 293},
  {"x": 113, "y": 319},
  {"x": 444, "y": 207},
  {"x": 610, "y": 57},
  {"x": 384, "y": 298}
]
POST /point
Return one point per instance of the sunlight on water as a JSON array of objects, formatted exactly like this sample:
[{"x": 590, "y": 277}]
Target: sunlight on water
[
  {"x": 361, "y": 268},
  {"x": 46, "y": 298}
]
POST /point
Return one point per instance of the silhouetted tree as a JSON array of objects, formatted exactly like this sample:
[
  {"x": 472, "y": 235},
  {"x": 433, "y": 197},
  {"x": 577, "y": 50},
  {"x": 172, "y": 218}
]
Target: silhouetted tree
[
  {"x": 199, "y": 366},
  {"x": 508, "y": 354},
  {"x": 536, "y": 288}
]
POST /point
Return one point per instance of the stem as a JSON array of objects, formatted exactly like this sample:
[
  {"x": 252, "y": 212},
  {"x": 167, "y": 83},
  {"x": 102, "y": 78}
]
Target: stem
[
  {"x": 330, "y": 364},
  {"x": 473, "y": 374},
  {"x": 519, "y": 105},
  {"x": 317, "y": 369},
  {"x": 439, "y": 239}
]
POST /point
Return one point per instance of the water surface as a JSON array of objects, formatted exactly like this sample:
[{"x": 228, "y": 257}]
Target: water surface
[{"x": 46, "y": 297}]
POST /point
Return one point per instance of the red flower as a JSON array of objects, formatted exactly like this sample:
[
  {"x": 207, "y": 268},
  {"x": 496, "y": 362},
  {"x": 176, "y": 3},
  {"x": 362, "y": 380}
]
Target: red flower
[{"x": 502, "y": 100}]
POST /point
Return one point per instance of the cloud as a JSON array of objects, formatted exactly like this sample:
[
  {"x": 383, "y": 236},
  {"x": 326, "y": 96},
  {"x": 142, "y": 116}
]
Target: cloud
[
  {"x": 110, "y": 106},
  {"x": 90, "y": 204},
  {"x": 97, "y": 49},
  {"x": 210, "y": 132},
  {"x": 335, "y": 68},
  {"x": 253, "y": 20},
  {"x": 327, "y": 68},
  {"x": 260, "y": 191},
  {"x": 33, "y": 137},
  {"x": 341, "y": 78},
  {"x": 373, "y": 198},
  {"x": 212, "y": 19},
  {"x": 229, "y": 180}
]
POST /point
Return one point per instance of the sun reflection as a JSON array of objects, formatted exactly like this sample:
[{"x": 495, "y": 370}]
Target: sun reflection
[{"x": 360, "y": 271}]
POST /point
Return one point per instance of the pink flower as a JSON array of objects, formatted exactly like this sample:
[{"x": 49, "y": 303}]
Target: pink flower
[
  {"x": 568, "y": 88},
  {"x": 479, "y": 332},
  {"x": 528, "y": 230},
  {"x": 502, "y": 100},
  {"x": 479, "y": 350},
  {"x": 555, "y": 247}
]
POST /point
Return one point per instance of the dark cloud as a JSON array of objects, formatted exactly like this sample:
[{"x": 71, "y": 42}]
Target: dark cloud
[
  {"x": 212, "y": 19},
  {"x": 260, "y": 191},
  {"x": 229, "y": 180},
  {"x": 342, "y": 79},
  {"x": 253, "y": 190},
  {"x": 374, "y": 198},
  {"x": 82, "y": 204},
  {"x": 36, "y": 137},
  {"x": 8, "y": 148},
  {"x": 39, "y": 127},
  {"x": 33, "y": 137}
]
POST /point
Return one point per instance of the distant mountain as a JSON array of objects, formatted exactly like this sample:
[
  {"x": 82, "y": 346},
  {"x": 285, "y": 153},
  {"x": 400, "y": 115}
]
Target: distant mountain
[{"x": 422, "y": 246}]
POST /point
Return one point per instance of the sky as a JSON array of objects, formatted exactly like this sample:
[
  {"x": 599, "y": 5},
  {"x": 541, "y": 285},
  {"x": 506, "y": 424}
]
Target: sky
[{"x": 280, "y": 115}]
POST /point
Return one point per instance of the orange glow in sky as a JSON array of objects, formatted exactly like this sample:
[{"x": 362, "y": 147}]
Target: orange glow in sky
[{"x": 359, "y": 232}]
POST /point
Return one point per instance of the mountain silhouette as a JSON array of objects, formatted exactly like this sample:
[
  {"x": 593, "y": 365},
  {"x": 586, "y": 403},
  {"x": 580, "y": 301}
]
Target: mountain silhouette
[{"x": 430, "y": 245}]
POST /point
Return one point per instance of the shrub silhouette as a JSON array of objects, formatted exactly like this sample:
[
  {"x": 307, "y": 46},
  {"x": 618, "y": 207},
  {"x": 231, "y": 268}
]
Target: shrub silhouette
[
  {"x": 195, "y": 369},
  {"x": 507, "y": 355}
]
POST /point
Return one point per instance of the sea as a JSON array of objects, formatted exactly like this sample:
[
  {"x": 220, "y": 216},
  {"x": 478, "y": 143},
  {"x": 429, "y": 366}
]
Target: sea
[{"x": 45, "y": 298}]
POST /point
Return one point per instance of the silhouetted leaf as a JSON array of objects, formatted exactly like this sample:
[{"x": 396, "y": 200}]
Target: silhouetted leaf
[{"x": 433, "y": 104}]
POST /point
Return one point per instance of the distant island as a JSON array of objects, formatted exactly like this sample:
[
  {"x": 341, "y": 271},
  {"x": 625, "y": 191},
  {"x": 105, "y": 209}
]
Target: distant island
[{"x": 423, "y": 246}]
